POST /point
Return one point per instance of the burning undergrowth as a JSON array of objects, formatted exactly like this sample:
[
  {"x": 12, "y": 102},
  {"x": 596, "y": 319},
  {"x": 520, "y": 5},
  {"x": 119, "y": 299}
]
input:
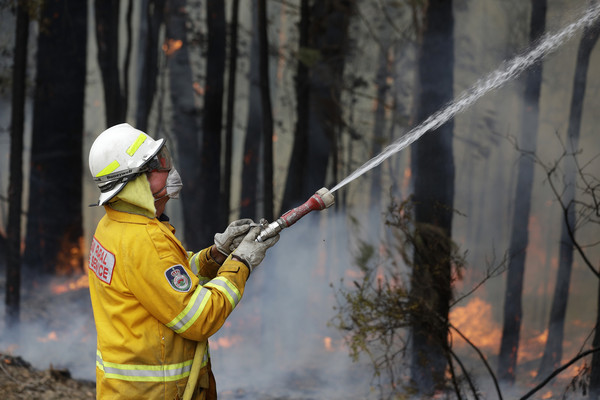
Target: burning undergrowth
[{"x": 56, "y": 325}]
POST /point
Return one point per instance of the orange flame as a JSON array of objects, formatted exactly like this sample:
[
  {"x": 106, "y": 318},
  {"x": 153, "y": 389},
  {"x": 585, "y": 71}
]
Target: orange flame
[
  {"x": 50, "y": 337},
  {"x": 199, "y": 89},
  {"x": 548, "y": 395},
  {"x": 406, "y": 179},
  {"x": 475, "y": 321},
  {"x": 170, "y": 46},
  {"x": 327, "y": 343},
  {"x": 80, "y": 283},
  {"x": 70, "y": 256},
  {"x": 225, "y": 342}
]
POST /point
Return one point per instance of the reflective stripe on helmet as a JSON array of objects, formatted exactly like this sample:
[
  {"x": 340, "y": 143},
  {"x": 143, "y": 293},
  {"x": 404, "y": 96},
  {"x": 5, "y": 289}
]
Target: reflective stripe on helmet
[
  {"x": 136, "y": 145},
  {"x": 147, "y": 373},
  {"x": 120, "y": 174},
  {"x": 109, "y": 168}
]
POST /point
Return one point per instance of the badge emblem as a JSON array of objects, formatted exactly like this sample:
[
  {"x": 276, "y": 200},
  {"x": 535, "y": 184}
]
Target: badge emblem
[
  {"x": 102, "y": 262},
  {"x": 178, "y": 278}
]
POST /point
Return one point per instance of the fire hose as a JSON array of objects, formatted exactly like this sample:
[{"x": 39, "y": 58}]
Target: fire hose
[
  {"x": 319, "y": 201},
  {"x": 195, "y": 371}
]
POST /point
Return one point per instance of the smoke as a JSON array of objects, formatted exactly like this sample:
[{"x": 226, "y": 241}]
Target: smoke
[
  {"x": 55, "y": 330},
  {"x": 287, "y": 345},
  {"x": 277, "y": 340}
]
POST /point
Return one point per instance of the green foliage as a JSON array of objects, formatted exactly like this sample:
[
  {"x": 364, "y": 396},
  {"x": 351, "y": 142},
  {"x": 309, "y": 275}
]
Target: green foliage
[{"x": 376, "y": 311}]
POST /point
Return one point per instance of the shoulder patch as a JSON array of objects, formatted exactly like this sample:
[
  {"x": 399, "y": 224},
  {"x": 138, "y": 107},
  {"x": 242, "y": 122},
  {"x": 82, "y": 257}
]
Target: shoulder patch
[
  {"x": 102, "y": 261},
  {"x": 178, "y": 278}
]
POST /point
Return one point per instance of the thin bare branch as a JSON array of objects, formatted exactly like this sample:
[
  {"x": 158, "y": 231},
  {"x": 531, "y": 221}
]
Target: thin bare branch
[{"x": 558, "y": 371}]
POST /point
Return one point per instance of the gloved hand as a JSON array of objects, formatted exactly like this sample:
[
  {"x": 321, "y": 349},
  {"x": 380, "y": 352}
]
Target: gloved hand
[
  {"x": 227, "y": 241},
  {"x": 252, "y": 252}
]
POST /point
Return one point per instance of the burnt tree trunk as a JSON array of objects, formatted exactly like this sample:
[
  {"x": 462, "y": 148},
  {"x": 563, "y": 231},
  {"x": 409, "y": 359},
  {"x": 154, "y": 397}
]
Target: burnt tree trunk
[
  {"x": 267, "y": 112},
  {"x": 595, "y": 373},
  {"x": 185, "y": 122},
  {"x": 230, "y": 118},
  {"x": 324, "y": 56},
  {"x": 249, "y": 196},
  {"x": 107, "y": 39},
  {"x": 293, "y": 190},
  {"x": 54, "y": 224},
  {"x": 433, "y": 181},
  {"x": 379, "y": 135},
  {"x": 556, "y": 326},
  {"x": 15, "y": 186},
  {"x": 154, "y": 18},
  {"x": 210, "y": 156},
  {"x": 519, "y": 238}
]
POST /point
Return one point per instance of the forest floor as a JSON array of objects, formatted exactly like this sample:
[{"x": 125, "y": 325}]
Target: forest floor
[{"x": 19, "y": 380}]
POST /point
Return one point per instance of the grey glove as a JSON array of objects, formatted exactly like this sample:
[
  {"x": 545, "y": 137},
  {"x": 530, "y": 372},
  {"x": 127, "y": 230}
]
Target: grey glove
[
  {"x": 252, "y": 252},
  {"x": 227, "y": 241}
]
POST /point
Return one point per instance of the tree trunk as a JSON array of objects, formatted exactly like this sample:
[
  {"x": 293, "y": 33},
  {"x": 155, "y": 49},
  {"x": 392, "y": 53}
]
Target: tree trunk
[
  {"x": 15, "y": 186},
  {"x": 556, "y": 326},
  {"x": 432, "y": 161},
  {"x": 379, "y": 134},
  {"x": 325, "y": 57},
  {"x": 293, "y": 190},
  {"x": 253, "y": 128},
  {"x": 210, "y": 156},
  {"x": 267, "y": 112},
  {"x": 230, "y": 118},
  {"x": 54, "y": 224},
  {"x": 154, "y": 18},
  {"x": 185, "y": 122},
  {"x": 595, "y": 373},
  {"x": 107, "y": 39},
  {"x": 509, "y": 346}
]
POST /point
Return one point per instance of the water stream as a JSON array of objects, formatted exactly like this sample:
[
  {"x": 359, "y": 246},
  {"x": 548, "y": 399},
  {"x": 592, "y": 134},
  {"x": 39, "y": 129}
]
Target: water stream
[{"x": 506, "y": 72}]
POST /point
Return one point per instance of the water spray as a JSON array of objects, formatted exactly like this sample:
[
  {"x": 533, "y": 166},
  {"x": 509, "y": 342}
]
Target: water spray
[
  {"x": 507, "y": 71},
  {"x": 319, "y": 201}
]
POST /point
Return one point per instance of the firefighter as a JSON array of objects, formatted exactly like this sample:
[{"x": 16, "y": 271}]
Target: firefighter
[{"x": 155, "y": 304}]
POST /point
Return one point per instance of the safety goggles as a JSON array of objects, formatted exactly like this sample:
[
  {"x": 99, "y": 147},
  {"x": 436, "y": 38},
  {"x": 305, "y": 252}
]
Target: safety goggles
[{"x": 160, "y": 162}]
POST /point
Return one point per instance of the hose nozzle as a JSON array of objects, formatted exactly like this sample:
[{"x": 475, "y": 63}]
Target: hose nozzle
[{"x": 319, "y": 201}]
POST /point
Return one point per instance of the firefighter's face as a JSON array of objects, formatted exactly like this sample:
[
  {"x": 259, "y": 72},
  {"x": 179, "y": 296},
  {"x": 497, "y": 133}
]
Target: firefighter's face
[{"x": 158, "y": 186}]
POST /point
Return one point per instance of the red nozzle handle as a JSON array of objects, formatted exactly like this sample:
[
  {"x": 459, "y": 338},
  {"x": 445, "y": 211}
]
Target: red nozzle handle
[
  {"x": 318, "y": 201},
  {"x": 314, "y": 203}
]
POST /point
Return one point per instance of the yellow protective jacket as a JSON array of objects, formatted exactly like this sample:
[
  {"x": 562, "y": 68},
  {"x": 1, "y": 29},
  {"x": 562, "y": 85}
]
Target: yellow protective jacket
[{"x": 152, "y": 303}]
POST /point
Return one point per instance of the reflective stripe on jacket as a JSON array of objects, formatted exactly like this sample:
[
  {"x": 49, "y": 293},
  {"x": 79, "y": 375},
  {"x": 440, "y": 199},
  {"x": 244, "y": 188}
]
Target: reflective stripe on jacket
[{"x": 152, "y": 303}]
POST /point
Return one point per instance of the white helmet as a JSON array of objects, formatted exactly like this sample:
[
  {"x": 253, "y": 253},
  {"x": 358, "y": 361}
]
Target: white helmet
[{"x": 121, "y": 153}]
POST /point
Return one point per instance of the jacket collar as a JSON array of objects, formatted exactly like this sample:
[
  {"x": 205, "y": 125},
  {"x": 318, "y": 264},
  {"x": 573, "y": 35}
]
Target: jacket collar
[{"x": 121, "y": 216}]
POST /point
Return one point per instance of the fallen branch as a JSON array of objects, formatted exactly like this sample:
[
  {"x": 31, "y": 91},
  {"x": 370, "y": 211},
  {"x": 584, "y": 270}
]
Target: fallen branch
[
  {"x": 6, "y": 372},
  {"x": 558, "y": 371}
]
